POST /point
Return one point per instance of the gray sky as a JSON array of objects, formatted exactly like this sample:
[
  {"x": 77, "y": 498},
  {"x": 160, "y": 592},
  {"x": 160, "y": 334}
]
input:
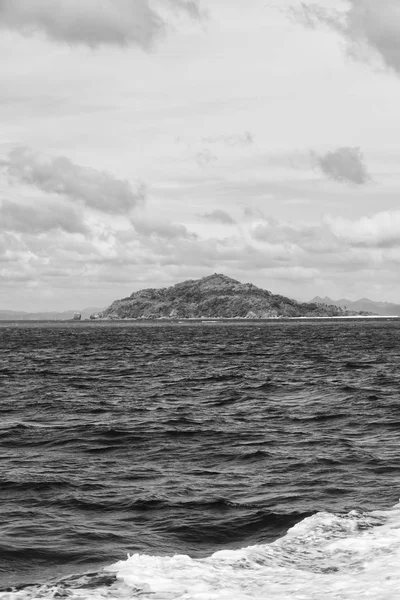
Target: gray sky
[{"x": 147, "y": 142}]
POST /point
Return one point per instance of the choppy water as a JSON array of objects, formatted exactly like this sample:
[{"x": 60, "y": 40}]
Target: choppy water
[{"x": 195, "y": 449}]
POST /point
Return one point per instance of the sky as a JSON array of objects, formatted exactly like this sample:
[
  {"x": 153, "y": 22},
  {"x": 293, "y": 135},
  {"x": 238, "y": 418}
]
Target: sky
[{"x": 146, "y": 142}]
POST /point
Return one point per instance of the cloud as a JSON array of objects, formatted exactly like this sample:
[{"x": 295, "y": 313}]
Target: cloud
[
  {"x": 252, "y": 213},
  {"x": 34, "y": 220},
  {"x": 208, "y": 150},
  {"x": 314, "y": 239},
  {"x": 93, "y": 22},
  {"x": 296, "y": 273},
  {"x": 275, "y": 255},
  {"x": 332, "y": 237},
  {"x": 161, "y": 229},
  {"x": 240, "y": 139},
  {"x": 344, "y": 164},
  {"x": 370, "y": 24},
  {"x": 381, "y": 230},
  {"x": 219, "y": 216},
  {"x": 59, "y": 175},
  {"x": 205, "y": 157}
]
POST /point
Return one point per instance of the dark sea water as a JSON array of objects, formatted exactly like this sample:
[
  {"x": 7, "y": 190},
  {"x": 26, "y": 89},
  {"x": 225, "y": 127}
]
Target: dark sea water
[{"x": 195, "y": 448}]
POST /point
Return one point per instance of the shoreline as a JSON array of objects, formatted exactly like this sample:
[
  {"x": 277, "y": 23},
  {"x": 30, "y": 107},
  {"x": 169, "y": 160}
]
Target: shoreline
[{"x": 206, "y": 322}]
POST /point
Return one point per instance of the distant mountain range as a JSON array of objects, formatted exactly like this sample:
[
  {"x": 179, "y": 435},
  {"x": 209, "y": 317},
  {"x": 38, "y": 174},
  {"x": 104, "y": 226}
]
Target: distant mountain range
[
  {"x": 364, "y": 304},
  {"x": 215, "y": 296},
  {"x": 14, "y": 315}
]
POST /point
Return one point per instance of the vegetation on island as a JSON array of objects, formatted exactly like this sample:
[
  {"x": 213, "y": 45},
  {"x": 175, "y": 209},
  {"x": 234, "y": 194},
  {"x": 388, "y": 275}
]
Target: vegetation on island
[{"x": 213, "y": 297}]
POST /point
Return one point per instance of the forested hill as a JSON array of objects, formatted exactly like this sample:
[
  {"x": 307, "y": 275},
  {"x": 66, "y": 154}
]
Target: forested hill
[{"x": 215, "y": 296}]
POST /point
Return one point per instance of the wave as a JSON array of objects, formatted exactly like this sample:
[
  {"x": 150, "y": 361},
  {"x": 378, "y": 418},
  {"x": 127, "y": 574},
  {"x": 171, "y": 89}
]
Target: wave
[{"x": 346, "y": 555}]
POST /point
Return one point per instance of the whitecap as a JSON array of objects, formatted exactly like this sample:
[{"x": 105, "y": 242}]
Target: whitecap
[{"x": 330, "y": 556}]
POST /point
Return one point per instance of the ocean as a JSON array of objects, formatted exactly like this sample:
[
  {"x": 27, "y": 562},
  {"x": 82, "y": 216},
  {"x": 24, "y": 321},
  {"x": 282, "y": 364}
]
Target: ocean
[{"x": 200, "y": 462}]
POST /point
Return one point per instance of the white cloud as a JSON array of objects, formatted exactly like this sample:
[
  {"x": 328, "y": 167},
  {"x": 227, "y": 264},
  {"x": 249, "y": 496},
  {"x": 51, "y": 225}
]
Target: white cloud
[
  {"x": 160, "y": 228},
  {"x": 296, "y": 273},
  {"x": 278, "y": 255},
  {"x": 381, "y": 230},
  {"x": 121, "y": 112},
  {"x": 344, "y": 164},
  {"x": 205, "y": 157},
  {"x": 97, "y": 189},
  {"x": 92, "y": 22},
  {"x": 47, "y": 216},
  {"x": 207, "y": 150},
  {"x": 368, "y": 24},
  {"x": 239, "y": 139},
  {"x": 332, "y": 240},
  {"x": 219, "y": 216},
  {"x": 307, "y": 237}
]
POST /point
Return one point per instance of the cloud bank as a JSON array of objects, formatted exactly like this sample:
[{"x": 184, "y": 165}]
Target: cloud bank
[
  {"x": 160, "y": 228},
  {"x": 219, "y": 216},
  {"x": 345, "y": 165},
  {"x": 381, "y": 230},
  {"x": 92, "y": 22},
  {"x": 46, "y": 250},
  {"x": 96, "y": 189},
  {"x": 29, "y": 219},
  {"x": 368, "y": 24},
  {"x": 332, "y": 235}
]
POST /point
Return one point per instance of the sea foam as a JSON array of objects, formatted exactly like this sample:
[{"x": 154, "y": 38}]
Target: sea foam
[{"x": 338, "y": 556}]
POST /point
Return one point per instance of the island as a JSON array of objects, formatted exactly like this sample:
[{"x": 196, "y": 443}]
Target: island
[{"x": 216, "y": 297}]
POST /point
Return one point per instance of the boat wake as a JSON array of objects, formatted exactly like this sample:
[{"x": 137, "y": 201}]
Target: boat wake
[{"x": 346, "y": 556}]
